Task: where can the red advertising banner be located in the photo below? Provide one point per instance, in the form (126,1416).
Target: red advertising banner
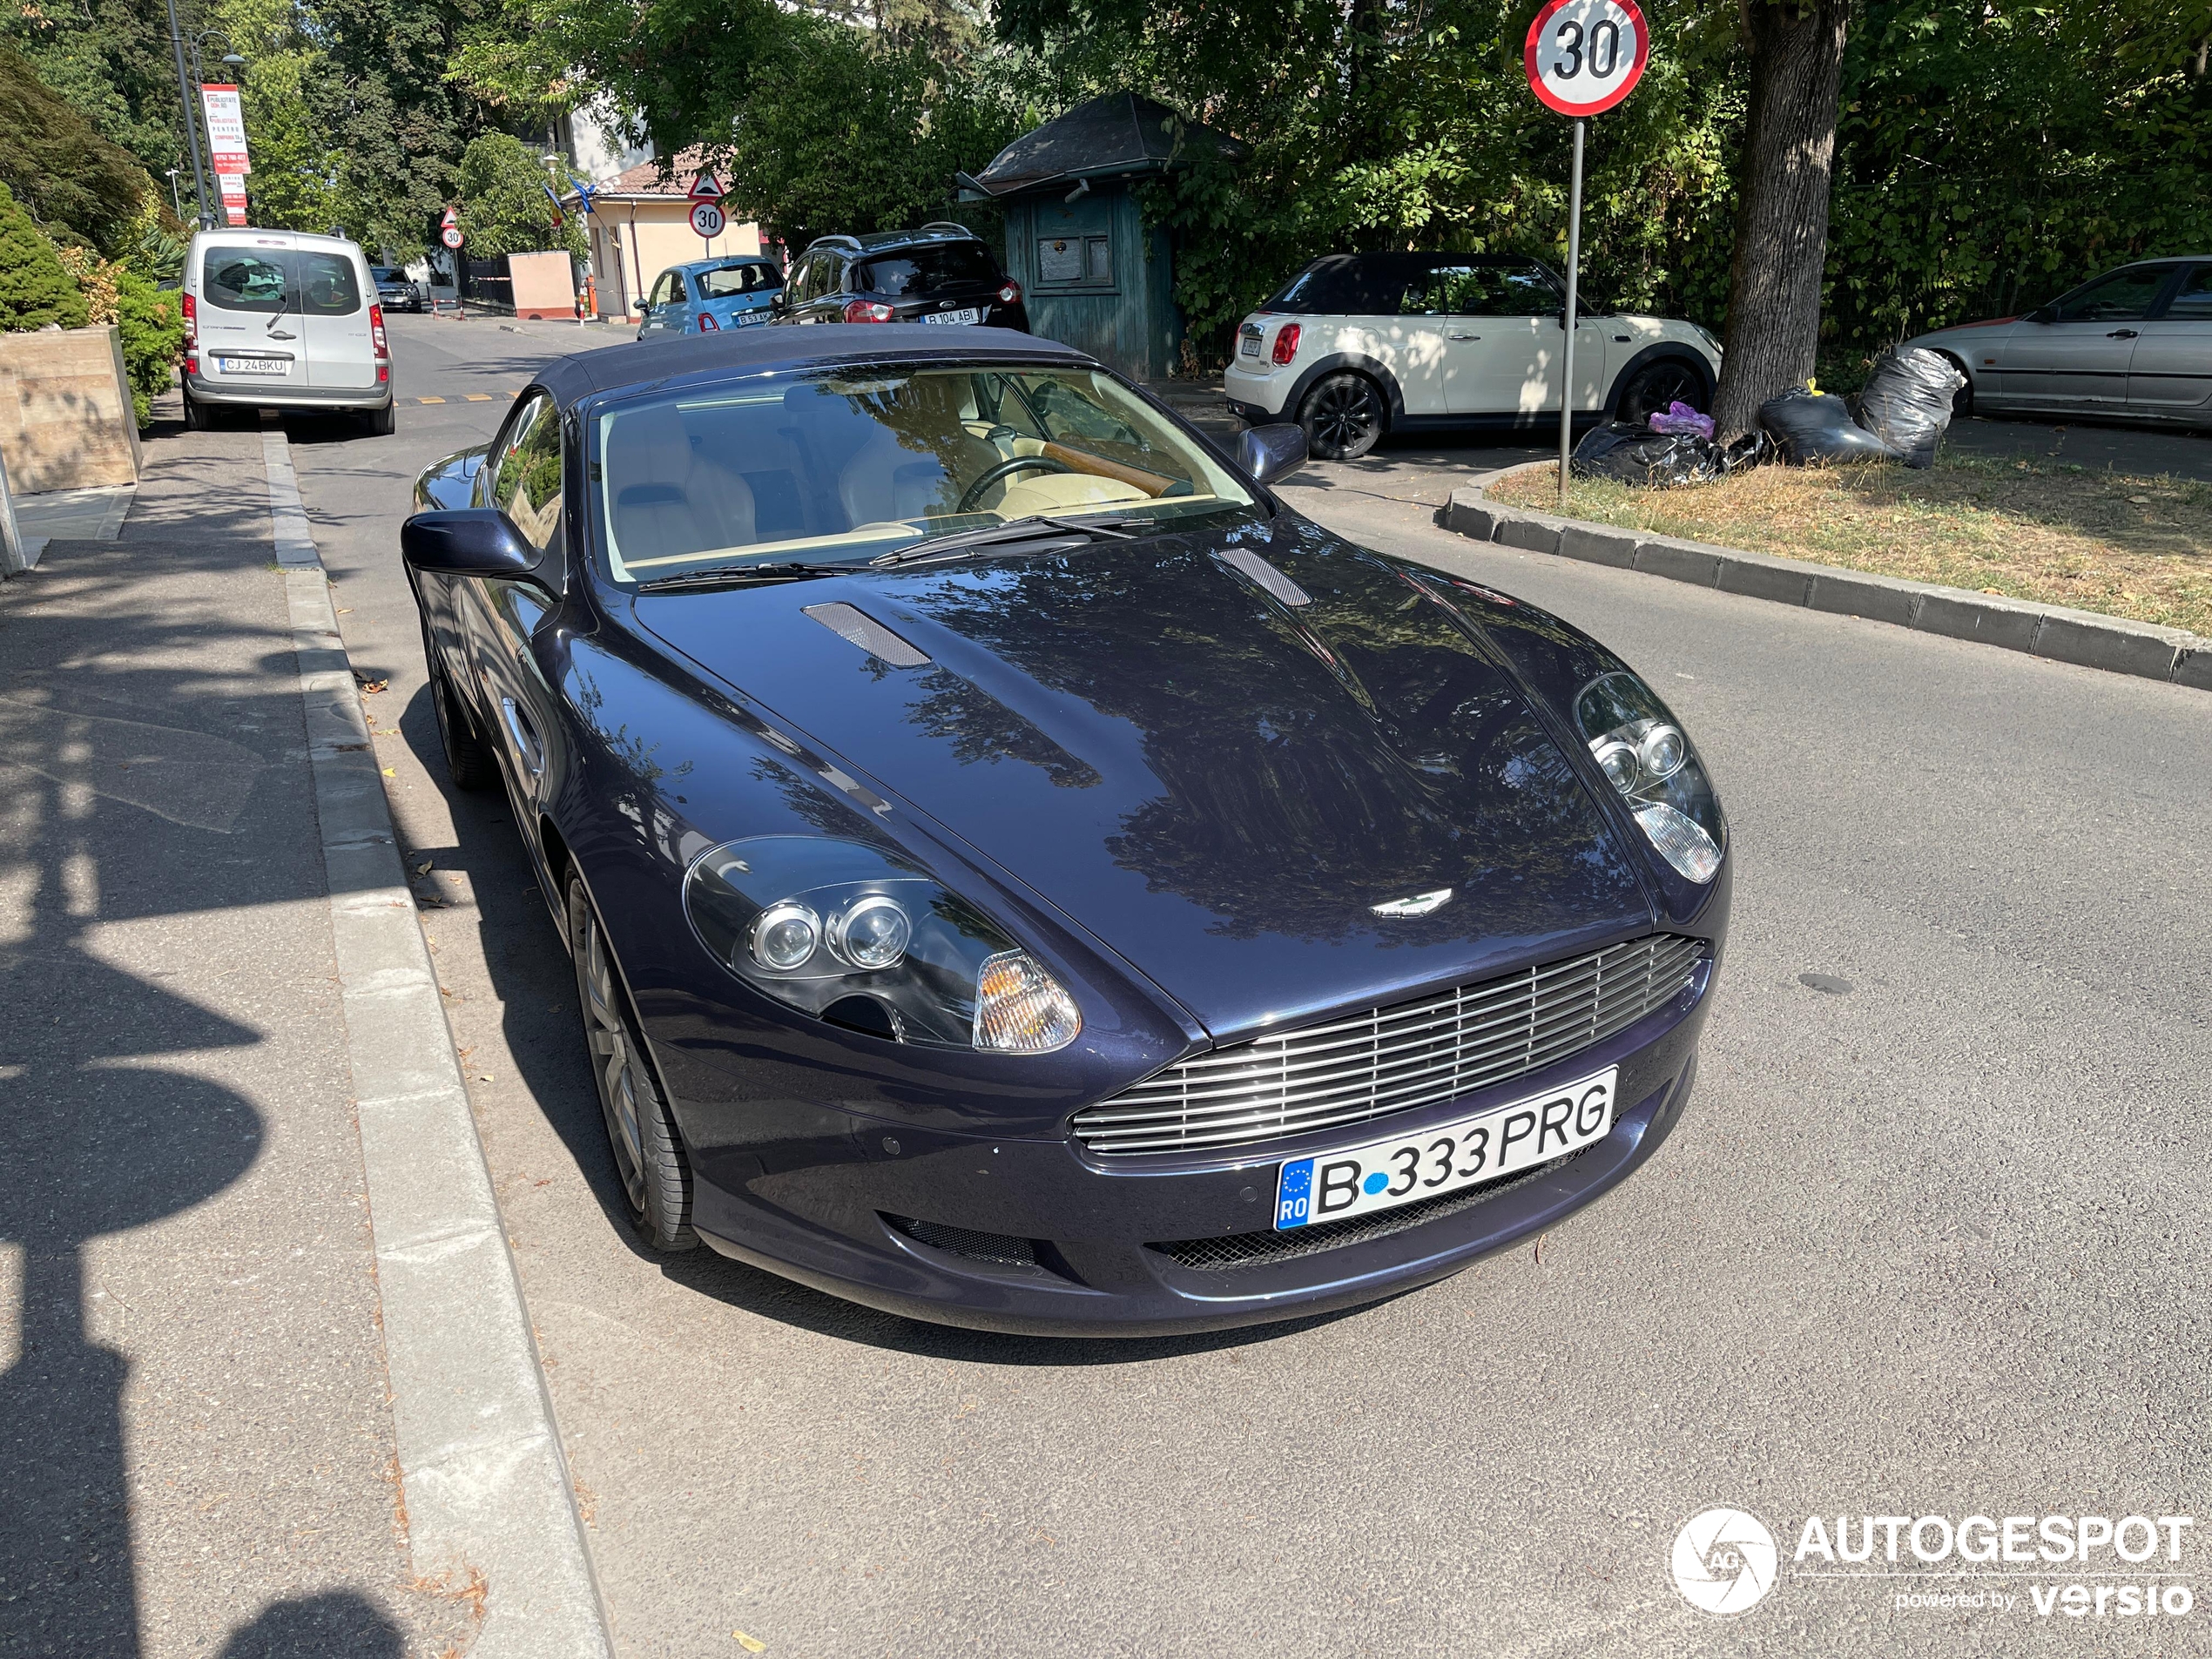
(233,197)
(226,129)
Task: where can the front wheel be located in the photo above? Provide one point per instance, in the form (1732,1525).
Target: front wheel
(648,1155)
(1343,416)
(469,763)
(1656,386)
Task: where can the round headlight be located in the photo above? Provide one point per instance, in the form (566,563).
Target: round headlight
(1663,751)
(871,931)
(1619,763)
(784,935)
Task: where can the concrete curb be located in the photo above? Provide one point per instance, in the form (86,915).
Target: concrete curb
(486,1487)
(2081,637)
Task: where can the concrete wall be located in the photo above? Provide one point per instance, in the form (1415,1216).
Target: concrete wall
(65,415)
(543,285)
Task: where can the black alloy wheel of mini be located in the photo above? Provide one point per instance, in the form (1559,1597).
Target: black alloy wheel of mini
(1654,387)
(648,1155)
(1343,417)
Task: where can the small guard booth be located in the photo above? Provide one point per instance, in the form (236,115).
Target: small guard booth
(1095,274)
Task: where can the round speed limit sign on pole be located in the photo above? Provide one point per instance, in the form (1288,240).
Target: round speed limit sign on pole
(1583,56)
(707,219)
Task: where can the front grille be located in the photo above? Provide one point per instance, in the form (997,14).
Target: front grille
(1392,1060)
(1256,1250)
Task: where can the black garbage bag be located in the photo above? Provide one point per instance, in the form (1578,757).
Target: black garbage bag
(1811,426)
(1906,402)
(1637,454)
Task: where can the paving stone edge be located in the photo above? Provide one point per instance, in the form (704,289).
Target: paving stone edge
(482,1473)
(2052,632)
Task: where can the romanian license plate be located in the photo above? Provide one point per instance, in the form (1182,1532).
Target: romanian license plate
(972,314)
(231,365)
(1500,1141)
(747,319)
(1249,344)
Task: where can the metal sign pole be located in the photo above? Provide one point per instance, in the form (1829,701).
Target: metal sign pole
(1568,318)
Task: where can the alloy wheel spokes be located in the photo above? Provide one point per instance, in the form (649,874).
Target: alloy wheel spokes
(611,1046)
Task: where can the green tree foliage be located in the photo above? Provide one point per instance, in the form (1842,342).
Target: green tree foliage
(34,290)
(1378,126)
(1993,153)
(58,167)
(817,123)
(504,206)
(110,62)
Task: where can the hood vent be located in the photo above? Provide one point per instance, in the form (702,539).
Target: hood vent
(1261,574)
(849,622)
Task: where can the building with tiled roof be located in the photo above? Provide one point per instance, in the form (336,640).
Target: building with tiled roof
(640,225)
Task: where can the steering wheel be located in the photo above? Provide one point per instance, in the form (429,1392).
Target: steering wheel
(1007,469)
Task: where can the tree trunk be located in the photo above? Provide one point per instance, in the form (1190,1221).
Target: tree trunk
(1782,221)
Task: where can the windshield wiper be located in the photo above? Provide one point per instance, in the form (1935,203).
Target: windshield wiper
(737,576)
(1027,527)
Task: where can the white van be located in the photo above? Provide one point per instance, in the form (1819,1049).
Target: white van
(283,319)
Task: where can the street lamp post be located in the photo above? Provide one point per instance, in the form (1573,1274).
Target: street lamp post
(191,123)
(175,200)
(231,61)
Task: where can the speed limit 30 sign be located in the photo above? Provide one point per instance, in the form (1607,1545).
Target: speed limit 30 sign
(707,219)
(1585,55)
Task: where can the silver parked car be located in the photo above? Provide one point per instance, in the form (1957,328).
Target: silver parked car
(2136,343)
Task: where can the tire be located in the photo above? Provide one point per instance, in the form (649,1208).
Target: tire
(198,416)
(1344,416)
(1962,401)
(469,763)
(1652,387)
(381,423)
(650,1161)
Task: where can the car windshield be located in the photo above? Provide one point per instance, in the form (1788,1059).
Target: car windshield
(847,466)
(917,271)
(386,273)
(725,281)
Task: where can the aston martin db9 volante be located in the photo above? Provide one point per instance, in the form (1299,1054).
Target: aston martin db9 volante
(1019,873)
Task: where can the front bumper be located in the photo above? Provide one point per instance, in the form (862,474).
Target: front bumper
(234,395)
(818,1194)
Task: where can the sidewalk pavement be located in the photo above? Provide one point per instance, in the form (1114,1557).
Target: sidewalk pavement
(196,1435)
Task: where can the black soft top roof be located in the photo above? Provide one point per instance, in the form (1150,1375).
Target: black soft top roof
(677,360)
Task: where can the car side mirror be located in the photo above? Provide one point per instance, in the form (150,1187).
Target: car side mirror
(2044,313)
(1271,452)
(778,302)
(469,541)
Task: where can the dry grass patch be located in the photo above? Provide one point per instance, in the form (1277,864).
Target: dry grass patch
(2127,546)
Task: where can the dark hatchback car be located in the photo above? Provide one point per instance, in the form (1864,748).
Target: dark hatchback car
(1019,873)
(940,275)
(395,290)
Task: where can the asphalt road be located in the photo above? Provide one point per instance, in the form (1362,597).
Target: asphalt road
(1929,1242)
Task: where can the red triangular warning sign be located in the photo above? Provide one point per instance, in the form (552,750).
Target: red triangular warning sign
(451,217)
(706,188)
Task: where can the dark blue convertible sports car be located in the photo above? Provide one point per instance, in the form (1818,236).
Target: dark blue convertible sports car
(1021,873)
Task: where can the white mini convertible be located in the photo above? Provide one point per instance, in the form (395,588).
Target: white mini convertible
(1357,345)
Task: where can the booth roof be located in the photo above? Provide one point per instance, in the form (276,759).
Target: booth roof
(1121,134)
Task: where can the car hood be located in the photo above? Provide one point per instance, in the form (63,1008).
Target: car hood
(1220,786)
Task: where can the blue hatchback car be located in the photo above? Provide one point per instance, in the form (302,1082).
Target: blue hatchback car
(1021,873)
(707,295)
